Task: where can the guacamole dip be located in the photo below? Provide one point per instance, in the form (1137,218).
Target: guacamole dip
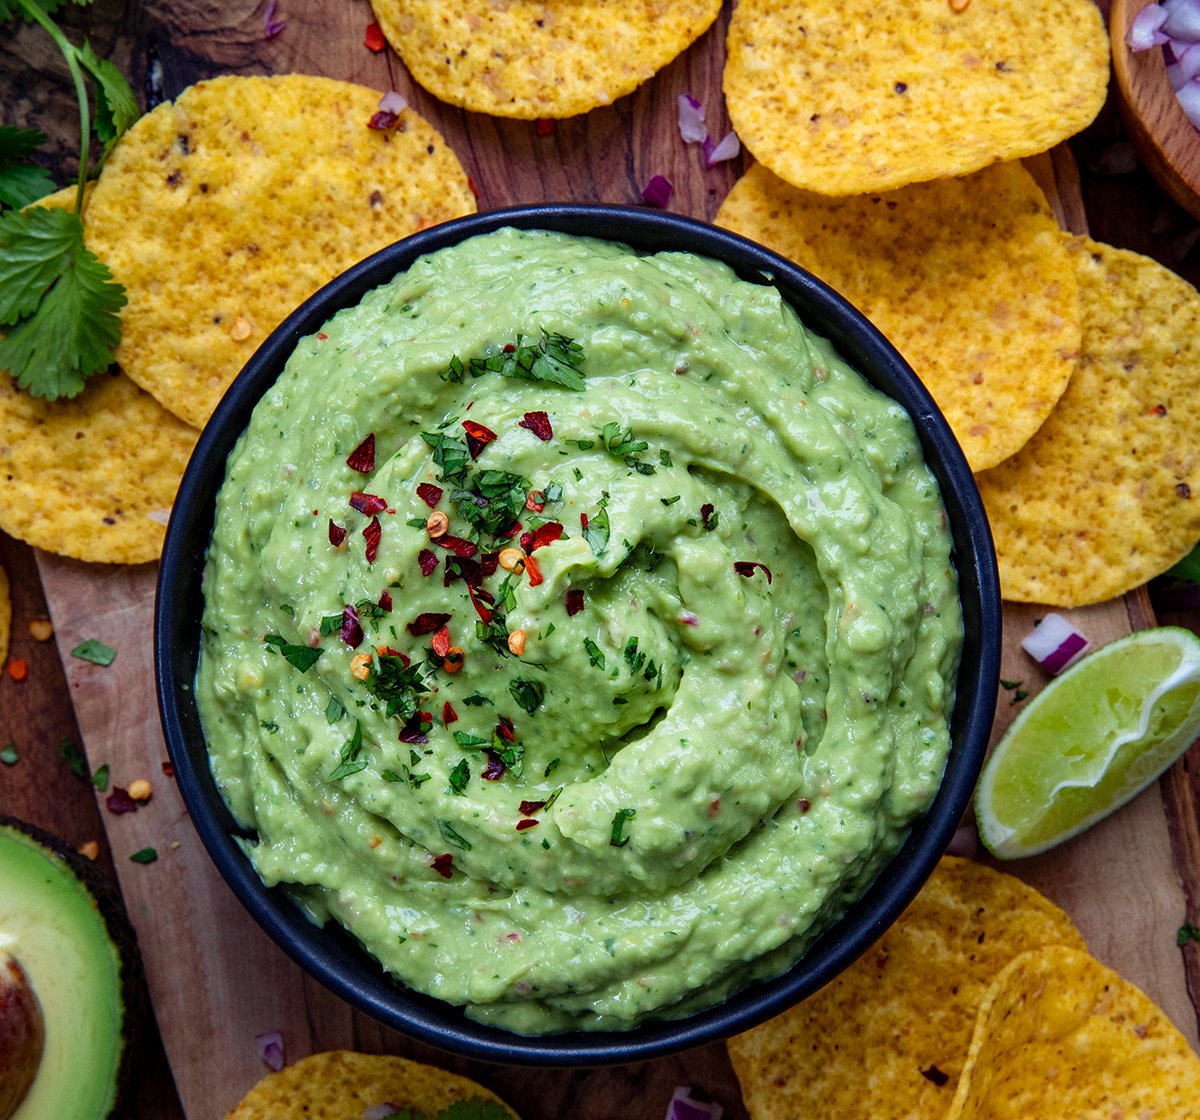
(580,631)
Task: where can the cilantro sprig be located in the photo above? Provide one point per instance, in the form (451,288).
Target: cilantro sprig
(555,360)
(58,301)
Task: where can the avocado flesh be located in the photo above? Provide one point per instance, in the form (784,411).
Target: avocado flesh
(50,922)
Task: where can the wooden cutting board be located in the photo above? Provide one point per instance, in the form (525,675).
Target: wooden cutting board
(215,979)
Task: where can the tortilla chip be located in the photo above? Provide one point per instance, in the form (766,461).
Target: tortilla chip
(887,1038)
(342,1085)
(92,477)
(849,96)
(1107,493)
(539,58)
(967,277)
(1061,1035)
(5,616)
(223,211)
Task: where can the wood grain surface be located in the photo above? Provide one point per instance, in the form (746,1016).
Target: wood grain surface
(215,979)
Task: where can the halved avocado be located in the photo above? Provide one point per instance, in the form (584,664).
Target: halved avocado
(65,928)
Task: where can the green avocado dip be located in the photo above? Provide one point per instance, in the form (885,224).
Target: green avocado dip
(622,777)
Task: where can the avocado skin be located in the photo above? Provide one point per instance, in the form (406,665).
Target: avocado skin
(134,996)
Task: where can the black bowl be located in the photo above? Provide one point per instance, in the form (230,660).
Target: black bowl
(334,957)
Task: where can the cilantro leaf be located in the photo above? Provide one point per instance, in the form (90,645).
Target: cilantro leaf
(1188,568)
(618,839)
(61,299)
(302,657)
(21,183)
(116,106)
(597,531)
(19,143)
(529,694)
(348,761)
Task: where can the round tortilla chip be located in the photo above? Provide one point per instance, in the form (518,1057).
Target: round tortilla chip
(1061,1035)
(848,96)
(92,477)
(887,1038)
(5,616)
(1106,495)
(342,1085)
(968,277)
(539,58)
(222,211)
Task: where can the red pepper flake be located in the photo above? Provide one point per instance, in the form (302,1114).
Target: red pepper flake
(544,535)
(528,808)
(387,651)
(574,601)
(534,571)
(504,728)
(443,864)
(706,511)
(374,40)
(367,503)
(494,770)
(475,192)
(583,521)
(714,806)
(746,568)
(511,531)
(427,560)
(385,601)
(362,458)
(536,501)
(449,715)
(426,623)
(168,769)
(478,437)
(539,424)
(441,641)
(429,494)
(804,805)
(546,126)
(417,728)
(18,668)
(1183,490)
(460,546)
(352,631)
(119,801)
(336,534)
(372,533)
(488,563)
(523,825)
(322,336)
(382,120)
(481,608)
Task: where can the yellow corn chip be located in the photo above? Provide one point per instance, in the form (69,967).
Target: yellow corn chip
(1061,1035)
(5,616)
(539,58)
(849,96)
(342,1085)
(92,477)
(967,277)
(224,210)
(1107,493)
(887,1038)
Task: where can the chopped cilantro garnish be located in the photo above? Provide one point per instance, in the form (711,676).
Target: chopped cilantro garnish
(553,492)
(100,778)
(466,739)
(595,653)
(8,754)
(145,855)
(669,501)
(459,777)
(302,657)
(551,766)
(597,532)
(618,839)
(1187,933)
(664,457)
(94,651)
(451,835)
(555,360)
(476,700)
(334,710)
(1010,685)
(397,684)
(73,757)
(330,624)
(451,456)
(370,611)
(492,502)
(349,762)
(529,694)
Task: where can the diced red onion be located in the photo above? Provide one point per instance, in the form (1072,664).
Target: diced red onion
(271,25)
(691,120)
(393,102)
(1054,643)
(270,1049)
(379,1112)
(728,148)
(1182,23)
(1146,29)
(683,1107)
(658,192)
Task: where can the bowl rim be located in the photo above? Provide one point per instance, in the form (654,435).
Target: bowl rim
(329,953)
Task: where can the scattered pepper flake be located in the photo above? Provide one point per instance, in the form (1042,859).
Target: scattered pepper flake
(528,808)
(453,661)
(362,458)
(429,494)
(449,715)
(372,534)
(373,40)
(337,535)
(535,502)
(441,641)
(367,503)
(545,534)
(574,601)
(168,769)
(360,666)
(546,126)
(516,642)
(351,631)
(18,668)
(460,546)
(427,622)
(119,801)
(41,629)
(534,571)
(746,568)
(478,437)
(539,424)
(427,561)
(443,865)
(529,822)
(382,120)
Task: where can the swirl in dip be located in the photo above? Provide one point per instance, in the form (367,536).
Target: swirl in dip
(652,760)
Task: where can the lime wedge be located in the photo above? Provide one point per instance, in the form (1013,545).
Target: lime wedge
(1090,741)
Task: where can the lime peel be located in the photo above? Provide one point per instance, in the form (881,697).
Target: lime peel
(1093,739)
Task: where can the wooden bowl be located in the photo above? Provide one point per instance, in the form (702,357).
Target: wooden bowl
(1164,138)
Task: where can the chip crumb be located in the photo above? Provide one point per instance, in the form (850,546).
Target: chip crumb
(240,331)
(90,849)
(41,629)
